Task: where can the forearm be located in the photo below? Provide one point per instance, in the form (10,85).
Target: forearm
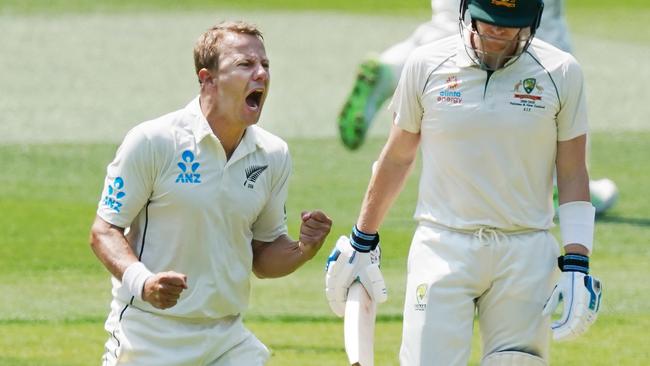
(393,167)
(573,185)
(111,247)
(571,168)
(383,190)
(576,211)
(278,258)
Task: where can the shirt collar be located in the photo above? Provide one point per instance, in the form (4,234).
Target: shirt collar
(201,128)
(249,143)
(199,125)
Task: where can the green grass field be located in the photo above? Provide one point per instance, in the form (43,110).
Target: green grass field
(76,75)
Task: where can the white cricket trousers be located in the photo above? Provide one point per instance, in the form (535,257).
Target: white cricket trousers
(139,338)
(504,277)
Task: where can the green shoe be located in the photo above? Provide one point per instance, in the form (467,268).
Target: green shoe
(371,89)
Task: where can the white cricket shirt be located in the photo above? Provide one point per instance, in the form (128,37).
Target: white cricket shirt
(190,210)
(489,146)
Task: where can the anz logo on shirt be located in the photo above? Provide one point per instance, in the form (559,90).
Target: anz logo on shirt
(115,194)
(188,168)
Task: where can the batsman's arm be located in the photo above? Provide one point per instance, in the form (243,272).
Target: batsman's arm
(573,186)
(394,164)
(284,255)
(580,291)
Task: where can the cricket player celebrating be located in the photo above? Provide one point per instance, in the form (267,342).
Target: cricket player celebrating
(193,203)
(378,77)
(495,112)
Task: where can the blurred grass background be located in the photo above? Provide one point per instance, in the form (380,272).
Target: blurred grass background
(76,75)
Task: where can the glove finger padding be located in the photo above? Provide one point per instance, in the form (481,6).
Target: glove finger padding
(581,296)
(373,281)
(339,275)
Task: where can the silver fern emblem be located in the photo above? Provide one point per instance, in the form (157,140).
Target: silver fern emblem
(252,173)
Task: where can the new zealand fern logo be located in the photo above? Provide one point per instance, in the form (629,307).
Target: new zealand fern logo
(188,168)
(252,173)
(114,195)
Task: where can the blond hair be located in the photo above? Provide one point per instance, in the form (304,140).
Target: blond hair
(207,48)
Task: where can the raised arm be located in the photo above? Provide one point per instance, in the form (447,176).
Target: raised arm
(284,255)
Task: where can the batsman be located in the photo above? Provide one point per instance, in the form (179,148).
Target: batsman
(494,112)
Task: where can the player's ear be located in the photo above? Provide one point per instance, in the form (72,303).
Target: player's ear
(205,77)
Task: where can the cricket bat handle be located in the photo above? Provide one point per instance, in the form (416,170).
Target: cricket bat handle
(359,326)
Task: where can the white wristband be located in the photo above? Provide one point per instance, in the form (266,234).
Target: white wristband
(134,277)
(577,223)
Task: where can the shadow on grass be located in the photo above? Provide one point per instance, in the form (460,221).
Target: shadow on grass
(635,221)
(313,319)
(308,348)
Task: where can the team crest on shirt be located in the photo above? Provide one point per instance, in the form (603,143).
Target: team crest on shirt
(528,94)
(189,169)
(421,297)
(252,173)
(114,195)
(450,93)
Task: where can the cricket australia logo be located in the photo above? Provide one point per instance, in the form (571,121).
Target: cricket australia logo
(189,169)
(252,173)
(530,96)
(420,297)
(450,93)
(114,195)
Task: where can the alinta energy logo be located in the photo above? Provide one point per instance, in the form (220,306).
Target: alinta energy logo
(450,93)
(115,194)
(252,173)
(189,169)
(420,297)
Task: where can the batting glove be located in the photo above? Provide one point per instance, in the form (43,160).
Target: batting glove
(354,259)
(339,275)
(581,295)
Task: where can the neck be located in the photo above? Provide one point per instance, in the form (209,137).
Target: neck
(229,138)
(229,134)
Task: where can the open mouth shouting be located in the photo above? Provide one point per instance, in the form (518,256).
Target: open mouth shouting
(255,98)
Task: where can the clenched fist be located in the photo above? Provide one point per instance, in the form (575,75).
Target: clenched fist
(313,231)
(163,289)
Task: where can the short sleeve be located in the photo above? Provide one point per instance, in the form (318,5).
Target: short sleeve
(406,104)
(129,180)
(272,220)
(572,118)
